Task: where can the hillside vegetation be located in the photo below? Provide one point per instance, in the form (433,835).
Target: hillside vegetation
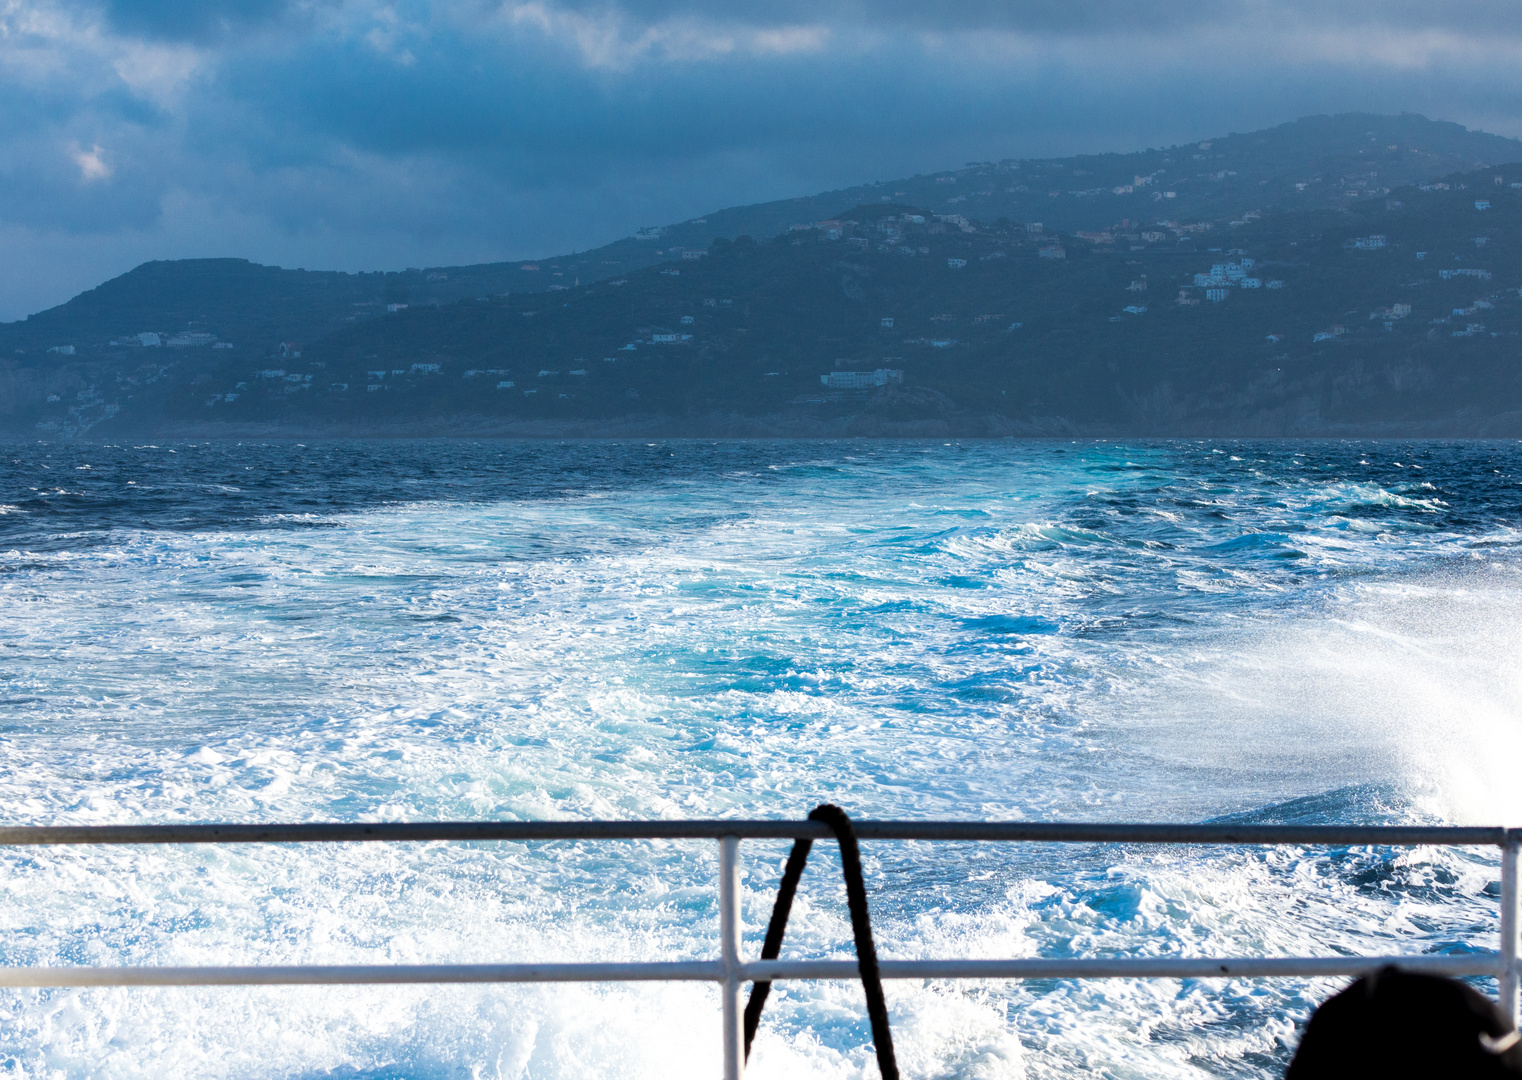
(1381,310)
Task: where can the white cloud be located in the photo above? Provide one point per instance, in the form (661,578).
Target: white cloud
(64,48)
(92,165)
(157,72)
(609,39)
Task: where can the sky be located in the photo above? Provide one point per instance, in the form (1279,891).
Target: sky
(358,134)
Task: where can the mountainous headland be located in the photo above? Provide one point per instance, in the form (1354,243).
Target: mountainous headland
(1339,275)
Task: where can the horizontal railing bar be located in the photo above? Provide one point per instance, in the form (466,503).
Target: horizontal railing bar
(1124,833)
(1170,967)
(362,974)
(1036,832)
(1161,967)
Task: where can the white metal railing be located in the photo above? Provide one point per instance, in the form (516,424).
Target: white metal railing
(730,970)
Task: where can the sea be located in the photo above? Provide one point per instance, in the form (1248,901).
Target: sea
(1185,631)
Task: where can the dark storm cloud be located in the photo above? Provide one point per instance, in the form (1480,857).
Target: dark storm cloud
(358,133)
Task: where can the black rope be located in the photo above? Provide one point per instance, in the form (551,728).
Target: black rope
(861,929)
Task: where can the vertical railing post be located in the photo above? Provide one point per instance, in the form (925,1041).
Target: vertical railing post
(1509,925)
(729,955)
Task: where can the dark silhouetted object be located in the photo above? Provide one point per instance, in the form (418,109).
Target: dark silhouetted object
(1394,1024)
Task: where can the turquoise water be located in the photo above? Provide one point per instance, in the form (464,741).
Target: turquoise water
(1181,631)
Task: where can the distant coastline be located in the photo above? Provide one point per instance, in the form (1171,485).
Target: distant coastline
(1372,297)
(733,426)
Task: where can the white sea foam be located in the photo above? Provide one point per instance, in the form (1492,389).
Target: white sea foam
(973,637)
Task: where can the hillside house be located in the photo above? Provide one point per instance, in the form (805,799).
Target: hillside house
(861,380)
(887,322)
(1053,251)
(956,264)
(1215,296)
